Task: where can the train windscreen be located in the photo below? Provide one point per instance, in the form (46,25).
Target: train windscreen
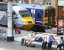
(24,13)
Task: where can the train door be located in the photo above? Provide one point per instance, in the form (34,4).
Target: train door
(51,16)
(38,21)
(38,17)
(45,18)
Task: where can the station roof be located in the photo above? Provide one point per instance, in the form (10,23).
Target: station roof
(34,6)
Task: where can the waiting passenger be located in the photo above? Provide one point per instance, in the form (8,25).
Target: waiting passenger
(61,44)
(51,39)
(22,41)
(44,44)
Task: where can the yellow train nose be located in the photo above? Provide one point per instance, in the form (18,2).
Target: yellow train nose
(29,23)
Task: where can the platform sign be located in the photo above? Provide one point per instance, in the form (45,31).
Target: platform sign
(61,2)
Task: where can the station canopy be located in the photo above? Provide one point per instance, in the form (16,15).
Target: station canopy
(31,6)
(17,8)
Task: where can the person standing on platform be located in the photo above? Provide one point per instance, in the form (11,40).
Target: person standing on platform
(51,39)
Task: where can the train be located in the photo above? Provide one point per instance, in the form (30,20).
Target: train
(34,17)
(23,18)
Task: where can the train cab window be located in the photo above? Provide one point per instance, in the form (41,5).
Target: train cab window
(24,13)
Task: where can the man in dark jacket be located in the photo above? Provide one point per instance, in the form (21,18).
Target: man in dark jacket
(61,45)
